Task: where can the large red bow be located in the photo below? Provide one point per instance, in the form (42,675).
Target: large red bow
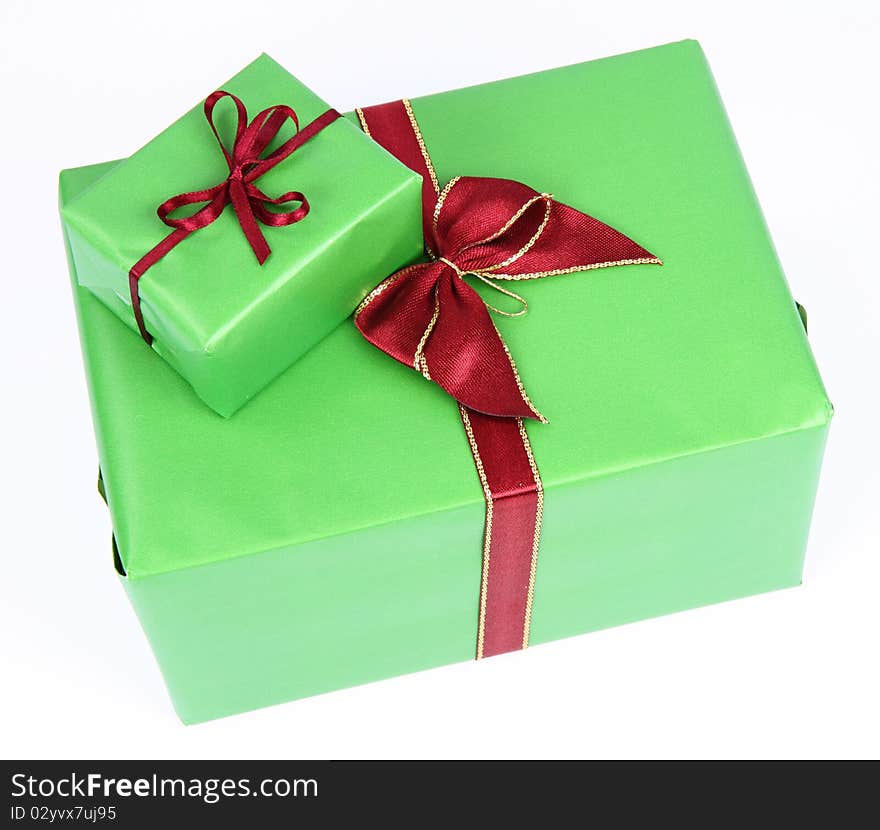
(427,316)
(249,202)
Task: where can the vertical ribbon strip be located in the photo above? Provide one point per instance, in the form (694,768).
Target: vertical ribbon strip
(429,317)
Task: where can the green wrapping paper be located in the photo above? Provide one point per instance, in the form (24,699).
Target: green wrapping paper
(225,323)
(330,534)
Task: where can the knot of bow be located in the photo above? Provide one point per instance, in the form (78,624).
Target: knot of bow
(246,165)
(429,317)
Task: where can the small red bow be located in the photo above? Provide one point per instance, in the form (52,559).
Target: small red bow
(248,201)
(428,317)
(245,167)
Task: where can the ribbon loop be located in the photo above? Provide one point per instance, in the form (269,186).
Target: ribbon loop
(482,275)
(210,102)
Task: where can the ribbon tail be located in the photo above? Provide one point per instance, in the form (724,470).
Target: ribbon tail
(243,210)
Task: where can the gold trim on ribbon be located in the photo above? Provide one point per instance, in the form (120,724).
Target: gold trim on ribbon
(536,539)
(386,283)
(363,119)
(419,362)
(487,533)
(574,269)
(441,198)
(421,142)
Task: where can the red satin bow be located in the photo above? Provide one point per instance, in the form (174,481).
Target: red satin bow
(245,167)
(249,202)
(428,317)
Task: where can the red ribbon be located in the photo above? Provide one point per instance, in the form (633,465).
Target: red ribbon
(429,317)
(248,201)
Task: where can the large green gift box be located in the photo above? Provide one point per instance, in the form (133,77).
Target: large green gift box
(331,533)
(225,323)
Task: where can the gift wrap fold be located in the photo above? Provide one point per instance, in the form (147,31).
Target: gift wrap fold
(226,323)
(331,533)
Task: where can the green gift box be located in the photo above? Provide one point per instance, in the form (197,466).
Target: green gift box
(224,322)
(331,533)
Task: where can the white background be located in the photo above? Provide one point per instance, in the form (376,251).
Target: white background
(789,674)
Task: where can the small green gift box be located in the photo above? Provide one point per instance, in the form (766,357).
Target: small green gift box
(332,532)
(226,323)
